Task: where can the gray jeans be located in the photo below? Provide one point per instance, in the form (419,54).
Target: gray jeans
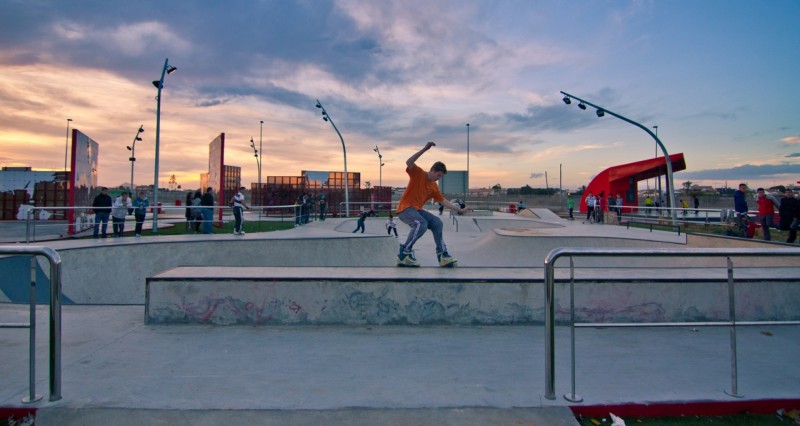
(420,221)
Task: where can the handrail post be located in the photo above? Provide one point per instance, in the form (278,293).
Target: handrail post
(55,326)
(32,396)
(572,397)
(732,315)
(28,226)
(549,325)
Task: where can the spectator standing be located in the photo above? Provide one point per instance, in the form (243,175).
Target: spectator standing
(696,205)
(740,208)
(238,209)
(297,211)
(102,209)
(790,214)
(570,206)
(599,206)
(766,211)
(197,211)
(323,203)
(207,203)
(118,213)
(305,206)
(189,213)
(140,205)
(648,204)
(590,200)
(618,205)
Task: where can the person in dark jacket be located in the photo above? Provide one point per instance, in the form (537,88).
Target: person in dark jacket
(207,202)
(102,209)
(363,217)
(740,207)
(790,214)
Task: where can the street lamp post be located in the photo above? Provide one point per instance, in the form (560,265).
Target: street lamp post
(66,149)
(327,117)
(659,175)
(380,165)
(132,149)
(260,153)
(466,189)
(168,69)
(602,111)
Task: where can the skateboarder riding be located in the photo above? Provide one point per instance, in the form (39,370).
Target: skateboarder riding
(421,188)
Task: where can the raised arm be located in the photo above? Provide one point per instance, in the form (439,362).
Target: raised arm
(413,159)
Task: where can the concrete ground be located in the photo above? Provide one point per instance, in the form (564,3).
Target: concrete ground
(116,370)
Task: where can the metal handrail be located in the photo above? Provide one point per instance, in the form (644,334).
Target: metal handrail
(55,316)
(31,221)
(549,280)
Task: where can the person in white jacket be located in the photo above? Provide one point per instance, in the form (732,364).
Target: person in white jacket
(122,205)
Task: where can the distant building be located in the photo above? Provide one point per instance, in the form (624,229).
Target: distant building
(22,185)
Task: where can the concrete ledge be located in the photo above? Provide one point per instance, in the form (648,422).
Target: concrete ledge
(463,296)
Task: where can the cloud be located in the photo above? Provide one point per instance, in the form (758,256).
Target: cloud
(744,172)
(792,155)
(536,175)
(791,140)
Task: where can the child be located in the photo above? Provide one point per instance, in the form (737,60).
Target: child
(391,225)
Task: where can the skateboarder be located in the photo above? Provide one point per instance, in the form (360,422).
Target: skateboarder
(421,188)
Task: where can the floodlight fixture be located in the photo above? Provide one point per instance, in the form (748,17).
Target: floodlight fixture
(582,106)
(567,100)
(132,149)
(600,113)
(171,69)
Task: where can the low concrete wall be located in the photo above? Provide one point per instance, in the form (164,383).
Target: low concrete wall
(116,273)
(478,296)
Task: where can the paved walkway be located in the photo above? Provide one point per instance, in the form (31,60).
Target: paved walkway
(116,370)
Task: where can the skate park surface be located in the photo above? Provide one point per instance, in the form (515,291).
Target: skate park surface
(117,367)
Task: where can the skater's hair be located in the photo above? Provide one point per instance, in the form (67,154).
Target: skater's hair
(439,167)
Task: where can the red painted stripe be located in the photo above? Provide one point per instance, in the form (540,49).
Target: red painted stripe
(703,408)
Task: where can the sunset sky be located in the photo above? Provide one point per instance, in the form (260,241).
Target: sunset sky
(720,79)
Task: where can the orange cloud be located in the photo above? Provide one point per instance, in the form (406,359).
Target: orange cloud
(791,140)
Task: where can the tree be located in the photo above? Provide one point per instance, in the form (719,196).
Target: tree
(526,190)
(368,184)
(497,189)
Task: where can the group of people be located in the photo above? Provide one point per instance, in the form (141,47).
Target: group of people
(788,209)
(103,207)
(303,207)
(595,206)
(199,212)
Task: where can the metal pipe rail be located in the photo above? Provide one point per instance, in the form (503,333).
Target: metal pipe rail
(549,308)
(55,317)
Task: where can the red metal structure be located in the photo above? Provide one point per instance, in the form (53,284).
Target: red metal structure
(624,179)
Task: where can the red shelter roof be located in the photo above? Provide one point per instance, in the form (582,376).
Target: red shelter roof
(623,179)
